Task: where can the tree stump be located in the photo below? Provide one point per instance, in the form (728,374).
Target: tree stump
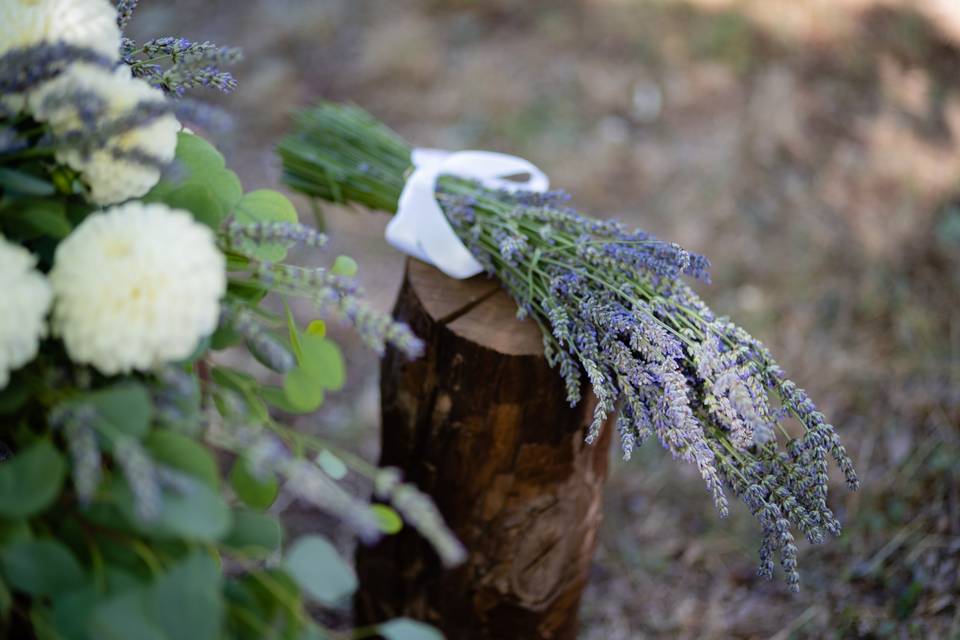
(481,424)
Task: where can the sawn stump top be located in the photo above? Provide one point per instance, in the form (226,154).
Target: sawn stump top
(477,309)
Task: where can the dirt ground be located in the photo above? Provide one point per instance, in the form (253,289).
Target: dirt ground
(810,148)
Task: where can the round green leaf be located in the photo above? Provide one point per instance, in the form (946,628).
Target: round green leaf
(332,465)
(199,514)
(275,397)
(408,629)
(185,454)
(388,520)
(31,480)
(124,408)
(71,612)
(316,566)
(201,164)
(344,266)
(199,200)
(303,390)
(265,205)
(187,601)
(317,328)
(255,492)
(125,617)
(41,567)
(254,533)
(323,362)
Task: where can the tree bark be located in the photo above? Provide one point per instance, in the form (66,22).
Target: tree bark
(481,424)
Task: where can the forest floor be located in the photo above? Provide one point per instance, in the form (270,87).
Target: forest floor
(810,148)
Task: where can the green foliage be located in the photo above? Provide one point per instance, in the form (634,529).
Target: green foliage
(205,186)
(184,453)
(118,515)
(255,492)
(318,569)
(41,567)
(388,519)
(124,409)
(265,205)
(31,481)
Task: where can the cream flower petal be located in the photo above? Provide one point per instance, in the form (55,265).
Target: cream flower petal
(136,286)
(85,23)
(111,179)
(23,307)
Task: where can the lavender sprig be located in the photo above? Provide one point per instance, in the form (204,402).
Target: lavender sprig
(177,65)
(612,305)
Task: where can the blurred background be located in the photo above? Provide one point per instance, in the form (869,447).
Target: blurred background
(810,148)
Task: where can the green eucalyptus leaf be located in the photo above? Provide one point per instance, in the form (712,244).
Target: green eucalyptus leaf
(184,454)
(388,520)
(224,337)
(123,409)
(200,514)
(277,597)
(23,183)
(265,205)
(201,164)
(30,218)
(258,493)
(302,390)
(200,201)
(253,533)
(125,617)
(71,612)
(316,566)
(275,397)
(187,601)
(41,567)
(323,362)
(317,328)
(31,480)
(344,266)
(408,629)
(332,465)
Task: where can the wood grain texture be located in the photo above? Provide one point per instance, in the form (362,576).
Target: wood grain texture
(481,424)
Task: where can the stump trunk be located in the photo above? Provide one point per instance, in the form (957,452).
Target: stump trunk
(481,424)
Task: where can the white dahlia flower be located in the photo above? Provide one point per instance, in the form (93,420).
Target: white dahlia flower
(24,303)
(136,286)
(111,179)
(84,23)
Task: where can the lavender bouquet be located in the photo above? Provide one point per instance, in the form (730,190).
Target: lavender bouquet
(612,304)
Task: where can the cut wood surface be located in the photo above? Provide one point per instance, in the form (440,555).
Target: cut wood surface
(482,425)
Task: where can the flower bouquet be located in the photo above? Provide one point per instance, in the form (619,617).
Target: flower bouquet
(612,305)
(130,256)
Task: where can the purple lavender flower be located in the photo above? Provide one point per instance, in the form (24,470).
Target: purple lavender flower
(613,306)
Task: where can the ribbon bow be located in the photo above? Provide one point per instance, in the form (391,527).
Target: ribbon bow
(419,227)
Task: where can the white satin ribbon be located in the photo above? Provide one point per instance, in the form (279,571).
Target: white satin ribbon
(419,227)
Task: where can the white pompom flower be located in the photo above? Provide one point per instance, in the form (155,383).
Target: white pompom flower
(24,303)
(91,24)
(112,178)
(85,23)
(136,286)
